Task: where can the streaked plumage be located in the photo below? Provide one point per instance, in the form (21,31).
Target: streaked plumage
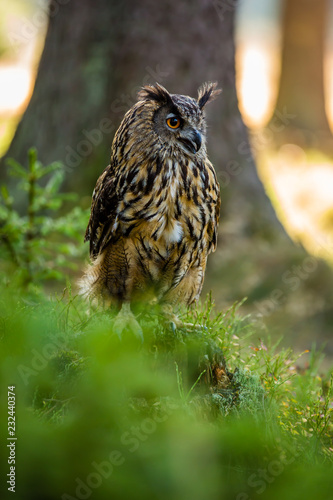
(155,208)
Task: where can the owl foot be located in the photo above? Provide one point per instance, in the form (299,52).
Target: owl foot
(125,320)
(175,322)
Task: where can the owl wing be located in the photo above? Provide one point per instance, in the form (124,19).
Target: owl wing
(214,208)
(216,218)
(102,223)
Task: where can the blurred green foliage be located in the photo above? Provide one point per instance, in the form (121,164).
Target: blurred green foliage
(204,412)
(208,411)
(41,245)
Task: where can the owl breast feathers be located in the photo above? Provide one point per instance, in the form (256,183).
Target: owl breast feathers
(155,208)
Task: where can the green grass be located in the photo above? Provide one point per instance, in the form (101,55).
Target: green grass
(208,412)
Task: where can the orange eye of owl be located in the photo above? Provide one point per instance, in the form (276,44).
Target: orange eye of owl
(173,122)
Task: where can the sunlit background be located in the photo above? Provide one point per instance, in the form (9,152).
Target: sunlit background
(300,184)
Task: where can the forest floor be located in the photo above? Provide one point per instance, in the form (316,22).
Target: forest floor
(208,411)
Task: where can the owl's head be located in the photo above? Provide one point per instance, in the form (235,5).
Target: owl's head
(178,120)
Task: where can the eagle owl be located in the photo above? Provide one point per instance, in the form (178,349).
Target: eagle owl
(155,208)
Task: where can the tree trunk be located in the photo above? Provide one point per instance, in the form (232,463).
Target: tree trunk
(99,53)
(301,90)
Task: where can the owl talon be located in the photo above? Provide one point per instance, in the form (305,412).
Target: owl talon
(192,326)
(125,320)
(173,327)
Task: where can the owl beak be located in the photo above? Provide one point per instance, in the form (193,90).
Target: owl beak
(197,140)
(192,141)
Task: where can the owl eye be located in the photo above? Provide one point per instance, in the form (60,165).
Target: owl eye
(173,122)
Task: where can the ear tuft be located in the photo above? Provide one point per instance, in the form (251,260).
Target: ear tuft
(207,92)
(156,93)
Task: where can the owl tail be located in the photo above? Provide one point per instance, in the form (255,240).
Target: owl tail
(92,283)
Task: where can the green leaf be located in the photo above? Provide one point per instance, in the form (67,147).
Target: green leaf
(4,213)
(43,171)
(5,192)
(54,182)
(16,170)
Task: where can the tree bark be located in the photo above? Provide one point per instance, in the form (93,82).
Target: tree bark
(99,53)
(301,90)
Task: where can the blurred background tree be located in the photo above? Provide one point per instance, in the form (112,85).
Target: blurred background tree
(301,90)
